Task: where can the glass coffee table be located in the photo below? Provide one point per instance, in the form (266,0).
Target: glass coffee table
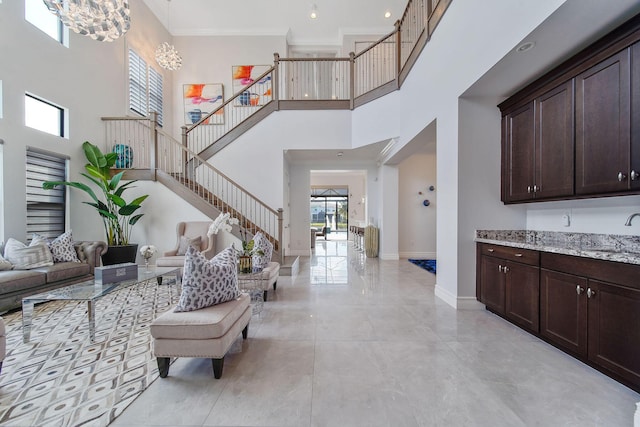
(91,292)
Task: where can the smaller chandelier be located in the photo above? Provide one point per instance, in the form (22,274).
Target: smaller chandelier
(102,20)
(167,57)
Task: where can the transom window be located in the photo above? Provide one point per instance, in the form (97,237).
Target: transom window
(37,13)
(44,115)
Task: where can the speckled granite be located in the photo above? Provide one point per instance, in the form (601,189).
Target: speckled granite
(611,247)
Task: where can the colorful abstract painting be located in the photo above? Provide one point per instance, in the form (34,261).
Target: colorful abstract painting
(200,99)
(245,75)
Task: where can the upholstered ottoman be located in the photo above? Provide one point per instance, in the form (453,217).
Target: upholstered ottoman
(208,333)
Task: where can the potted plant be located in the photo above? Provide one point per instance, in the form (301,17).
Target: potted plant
(117,214)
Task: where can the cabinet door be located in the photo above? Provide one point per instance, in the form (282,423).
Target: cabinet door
(518,146)
(555,143)
(603,126)
(492,291)
(634,174)
(614,329)
(563,310)
(523,295)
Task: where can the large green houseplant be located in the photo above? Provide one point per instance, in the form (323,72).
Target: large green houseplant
(117,214)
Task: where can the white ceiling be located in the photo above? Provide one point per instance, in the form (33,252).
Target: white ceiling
(279,17)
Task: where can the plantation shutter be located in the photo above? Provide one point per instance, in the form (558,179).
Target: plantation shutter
(45,208)
(137,83)
(155,93)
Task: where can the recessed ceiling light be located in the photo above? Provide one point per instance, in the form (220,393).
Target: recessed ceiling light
(314,12)
(524,47)
(387,14)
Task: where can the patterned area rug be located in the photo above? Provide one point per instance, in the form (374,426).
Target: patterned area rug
(427,264)
(61,378)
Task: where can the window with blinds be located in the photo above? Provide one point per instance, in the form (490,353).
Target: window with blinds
(45,208)
(145,87)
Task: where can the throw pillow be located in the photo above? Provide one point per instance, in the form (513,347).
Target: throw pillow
(260,242)
(185,242)
(25,257)
(4,264)
(61,247)
(208,282)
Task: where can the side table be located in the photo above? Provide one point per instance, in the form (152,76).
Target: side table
(251,283)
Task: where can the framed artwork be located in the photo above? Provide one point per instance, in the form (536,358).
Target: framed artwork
(200,99)
(244,75)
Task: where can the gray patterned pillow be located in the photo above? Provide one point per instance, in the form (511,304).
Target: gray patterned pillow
(25,257)
(61,247)
(185,242)
(261,243)
(208,282)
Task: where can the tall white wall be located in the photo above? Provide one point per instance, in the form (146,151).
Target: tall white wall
(89,78)
(417,235)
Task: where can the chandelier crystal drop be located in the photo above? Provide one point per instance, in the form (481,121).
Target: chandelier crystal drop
(167,57)
(102,20)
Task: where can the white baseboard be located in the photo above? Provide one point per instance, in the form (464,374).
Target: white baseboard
(300,252)
(418,255)
(389,257)
(459,303)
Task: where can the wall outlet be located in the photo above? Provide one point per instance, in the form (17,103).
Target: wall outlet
(566,220)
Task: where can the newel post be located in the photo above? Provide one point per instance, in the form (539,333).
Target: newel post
(398,52)
(281,243)
(276,80)
(352,76)
(153,153)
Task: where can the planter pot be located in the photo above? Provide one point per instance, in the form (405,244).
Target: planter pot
(244,264)
(120,254)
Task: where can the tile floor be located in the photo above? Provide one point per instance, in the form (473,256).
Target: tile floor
(364,342)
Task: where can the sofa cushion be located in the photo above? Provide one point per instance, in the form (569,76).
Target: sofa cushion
(261,243)
(4,264)
(186,242)
(65,270)
(207,323)
(17,280)
(62,248)
(24,257)
(208,282)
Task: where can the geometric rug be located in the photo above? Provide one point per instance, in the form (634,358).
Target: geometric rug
(62,378)
(427,264)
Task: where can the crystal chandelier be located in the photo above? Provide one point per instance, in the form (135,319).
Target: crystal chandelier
(167,57)
(102,20)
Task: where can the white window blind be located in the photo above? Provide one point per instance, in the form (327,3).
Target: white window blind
(145,87)
(155,93)
(137,83)
(45,208)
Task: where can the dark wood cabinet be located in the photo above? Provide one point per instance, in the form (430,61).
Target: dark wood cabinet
(603,114)
(509,287)
(575,132)
(589,308)
(563,310)
(539,147)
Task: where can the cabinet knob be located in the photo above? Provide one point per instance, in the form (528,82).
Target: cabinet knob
(500,268)
(490,250)
(621,176)
(518,255)
(634,175)
(536,188)
(590,293)
(579,289)
(505,269)
(528,189)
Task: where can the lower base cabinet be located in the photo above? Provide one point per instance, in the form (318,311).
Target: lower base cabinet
(587,307)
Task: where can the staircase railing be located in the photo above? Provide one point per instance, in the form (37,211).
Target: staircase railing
(171,162)
(321,83)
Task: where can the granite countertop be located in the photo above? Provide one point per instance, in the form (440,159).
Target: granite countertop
(610,247)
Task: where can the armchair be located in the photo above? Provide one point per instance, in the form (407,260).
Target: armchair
(189,233)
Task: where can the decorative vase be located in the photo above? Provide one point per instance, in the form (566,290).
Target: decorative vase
(244,264)
(125,156)
(146,265)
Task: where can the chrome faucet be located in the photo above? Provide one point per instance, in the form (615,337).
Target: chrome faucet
(628,223)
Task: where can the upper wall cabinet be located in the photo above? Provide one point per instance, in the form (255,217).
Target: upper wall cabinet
(575,132)
(603,114)
(538,148)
